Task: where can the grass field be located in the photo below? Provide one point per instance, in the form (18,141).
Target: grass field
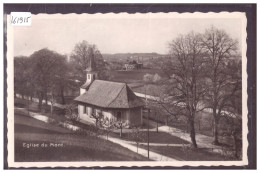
(58,113)
(181,153)
(154,137)
(134,75)
(79,147)
(39,141)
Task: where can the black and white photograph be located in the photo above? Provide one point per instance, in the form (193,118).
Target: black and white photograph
(121,89)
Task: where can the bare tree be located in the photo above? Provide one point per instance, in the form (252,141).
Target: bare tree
(52,100)
(231,109)
(108,126)
(219,48)
(234,125)
(71,113)
(153,89)
(187,87)
(137,136)
(120,125)
(99,118)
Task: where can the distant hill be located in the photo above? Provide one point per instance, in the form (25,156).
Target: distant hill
(125,56)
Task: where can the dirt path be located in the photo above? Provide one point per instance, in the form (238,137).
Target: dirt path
(203,141)
(129,145)
(141,151)
(158,144)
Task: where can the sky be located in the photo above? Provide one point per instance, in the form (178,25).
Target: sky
(143,33)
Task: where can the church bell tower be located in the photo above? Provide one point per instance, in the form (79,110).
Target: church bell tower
(91,75)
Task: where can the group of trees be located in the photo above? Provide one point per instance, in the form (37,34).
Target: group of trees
(47,75)
(41,75)
(204,72)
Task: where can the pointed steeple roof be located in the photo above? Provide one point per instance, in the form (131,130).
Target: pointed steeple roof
(91,66)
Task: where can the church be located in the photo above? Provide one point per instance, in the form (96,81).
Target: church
(114,100)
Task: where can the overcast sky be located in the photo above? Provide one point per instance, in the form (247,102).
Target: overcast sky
(142,34)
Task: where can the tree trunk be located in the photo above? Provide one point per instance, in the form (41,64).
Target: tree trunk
(121,131)
(214,110)
(212,127)
(187,126)
(216,141)
(157,130)
(192,133)
(51,109)
(137,147)
(46,101)
(62,96)
(40,102)
(235,144)
(28,107)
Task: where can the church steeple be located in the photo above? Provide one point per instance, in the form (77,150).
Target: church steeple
(91,66)
(91,71)
(91,75)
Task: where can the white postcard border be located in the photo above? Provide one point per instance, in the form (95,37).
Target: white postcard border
(10,97)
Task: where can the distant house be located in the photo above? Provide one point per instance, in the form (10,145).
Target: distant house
(139,65)
(114,100)
(133,66)
(129,67)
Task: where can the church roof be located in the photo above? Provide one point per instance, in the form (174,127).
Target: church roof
(85,85)
(109,94)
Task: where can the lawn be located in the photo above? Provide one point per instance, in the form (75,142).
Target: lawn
(39,141)
(154,137)
(134,75)
(83,147)
(186,154)
(58,114)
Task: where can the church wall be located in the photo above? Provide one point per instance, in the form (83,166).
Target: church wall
(132,117)
(80,112)
(135,116)
(89,110)
(85,116)
(127,117)
(82,91)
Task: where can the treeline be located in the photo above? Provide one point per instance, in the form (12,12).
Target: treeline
(204,72)
(47,75)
